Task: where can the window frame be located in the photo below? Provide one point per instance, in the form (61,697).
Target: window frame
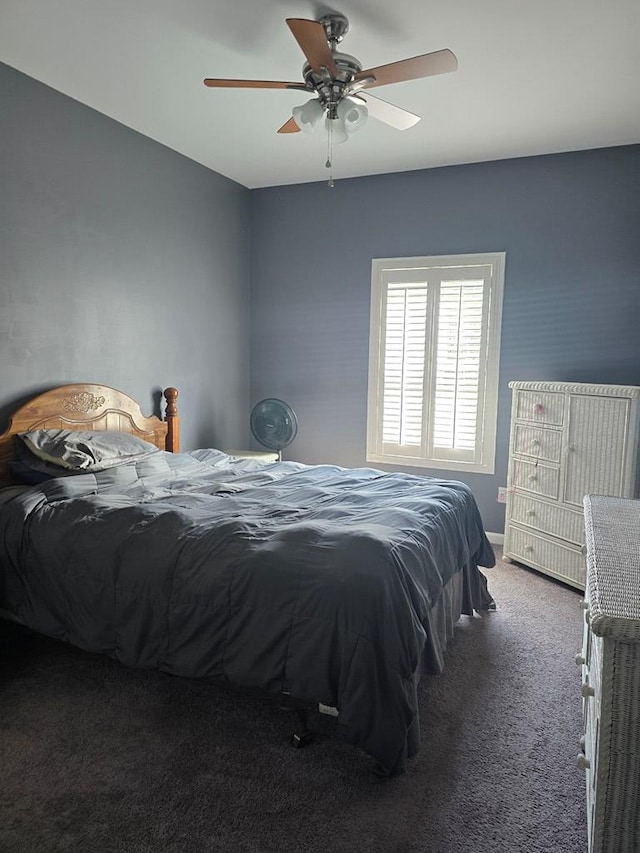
(426,269)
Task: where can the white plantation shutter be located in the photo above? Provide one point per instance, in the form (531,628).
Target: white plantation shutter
(404,365)
(434,350)
(458,366)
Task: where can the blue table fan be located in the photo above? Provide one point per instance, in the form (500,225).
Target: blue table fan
(274,424)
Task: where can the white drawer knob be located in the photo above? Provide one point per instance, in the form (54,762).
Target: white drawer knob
(587,690)
(580,660)
(583,762)
(531,512)
(528,549)
(535,442)
(532,478)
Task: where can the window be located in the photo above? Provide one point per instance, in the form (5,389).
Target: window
(433,361)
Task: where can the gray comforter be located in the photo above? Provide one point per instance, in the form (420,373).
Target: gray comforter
(315,581)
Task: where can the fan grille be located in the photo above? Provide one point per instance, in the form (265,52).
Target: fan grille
(273,423)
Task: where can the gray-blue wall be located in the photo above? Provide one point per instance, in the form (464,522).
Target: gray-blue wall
(121,262)
(569,224)
(124,263)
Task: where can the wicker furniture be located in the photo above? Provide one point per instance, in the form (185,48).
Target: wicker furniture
(568,439)
(610,661)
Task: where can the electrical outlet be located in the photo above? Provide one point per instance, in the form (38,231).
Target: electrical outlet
(502,494)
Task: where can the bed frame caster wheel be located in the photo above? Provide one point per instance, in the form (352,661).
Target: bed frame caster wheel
(302,739)
(304,735)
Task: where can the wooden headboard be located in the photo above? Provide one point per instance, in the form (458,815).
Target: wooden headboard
(90,407)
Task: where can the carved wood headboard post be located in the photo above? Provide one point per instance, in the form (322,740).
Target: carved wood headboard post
(173,420)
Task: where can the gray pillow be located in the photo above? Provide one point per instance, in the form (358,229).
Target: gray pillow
(78,450)
(31,470)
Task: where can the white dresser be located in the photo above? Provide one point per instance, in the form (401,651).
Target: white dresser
(568,439)
(610,661)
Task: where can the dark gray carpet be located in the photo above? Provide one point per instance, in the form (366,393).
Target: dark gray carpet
(94,757)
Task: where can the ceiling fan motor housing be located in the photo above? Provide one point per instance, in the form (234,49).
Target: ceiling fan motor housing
(336,26)
(331,90)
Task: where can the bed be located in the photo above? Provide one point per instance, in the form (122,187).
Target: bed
(336,587)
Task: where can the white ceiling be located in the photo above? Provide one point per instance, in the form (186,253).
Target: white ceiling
(533,77)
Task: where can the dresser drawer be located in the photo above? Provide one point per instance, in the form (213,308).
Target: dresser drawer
(594,660)
(562,561)
(535,477)
(547,518)
(592,738)
(537,442)
(591,678)
(590,741)
(586,634)
(588,674)
(546,407)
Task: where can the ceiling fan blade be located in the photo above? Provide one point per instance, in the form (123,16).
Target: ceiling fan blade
(438,62)
(289,127)
(312,38)
(215,82)
(388,113)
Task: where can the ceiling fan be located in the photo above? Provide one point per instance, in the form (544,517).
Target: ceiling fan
(339,83)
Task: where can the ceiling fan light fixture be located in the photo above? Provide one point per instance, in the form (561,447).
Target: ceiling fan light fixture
(336,130)
(352,115)
(307,116)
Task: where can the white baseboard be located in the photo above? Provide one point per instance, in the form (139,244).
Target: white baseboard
(496,538)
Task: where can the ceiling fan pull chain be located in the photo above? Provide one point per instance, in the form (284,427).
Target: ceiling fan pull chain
(329,164)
